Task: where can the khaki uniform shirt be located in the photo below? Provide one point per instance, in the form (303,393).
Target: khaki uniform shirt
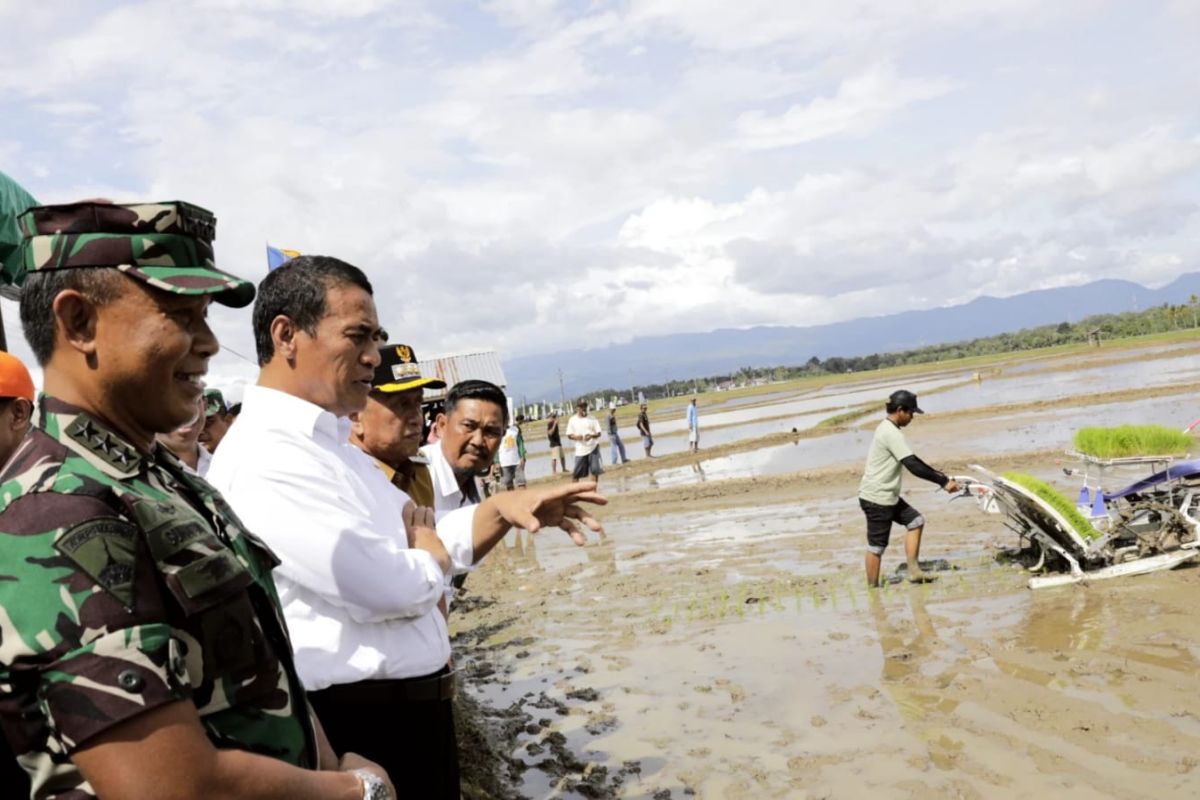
(414,479)
(126,583)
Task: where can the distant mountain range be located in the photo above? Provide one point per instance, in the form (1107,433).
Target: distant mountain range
(652,359)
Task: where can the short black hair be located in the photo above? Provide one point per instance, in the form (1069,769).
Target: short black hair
(98,285)
(297,290)
(477,390)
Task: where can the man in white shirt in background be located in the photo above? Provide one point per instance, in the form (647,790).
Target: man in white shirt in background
(184,442)
(584,431)
(362,567)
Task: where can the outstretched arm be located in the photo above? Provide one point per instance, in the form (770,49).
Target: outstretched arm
(534,509)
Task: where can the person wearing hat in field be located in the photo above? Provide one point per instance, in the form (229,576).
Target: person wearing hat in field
(217,420)
(879,491)
(643,426)
(554,441)
(125,572)
(16,404)
(584,431)
(389,429)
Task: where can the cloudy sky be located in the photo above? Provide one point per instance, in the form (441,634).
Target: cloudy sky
(536,175)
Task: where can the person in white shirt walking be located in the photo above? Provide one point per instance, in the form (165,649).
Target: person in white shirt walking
(693,424)
(584,431)
(362,567)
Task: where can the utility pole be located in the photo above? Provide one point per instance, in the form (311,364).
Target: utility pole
(562,392)
(632,394)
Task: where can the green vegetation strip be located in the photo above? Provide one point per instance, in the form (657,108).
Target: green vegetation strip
(1131,440)
(1056,501)
(849,416)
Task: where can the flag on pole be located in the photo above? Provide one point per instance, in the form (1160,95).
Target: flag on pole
(278,256)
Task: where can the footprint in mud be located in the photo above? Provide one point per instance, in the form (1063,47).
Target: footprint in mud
(736,693)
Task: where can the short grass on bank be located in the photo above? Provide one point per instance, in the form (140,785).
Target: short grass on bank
(1131,440)
(1055,500)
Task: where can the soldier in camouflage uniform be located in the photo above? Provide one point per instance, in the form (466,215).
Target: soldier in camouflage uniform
(142,649)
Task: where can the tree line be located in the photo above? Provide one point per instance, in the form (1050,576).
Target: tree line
(1156,319)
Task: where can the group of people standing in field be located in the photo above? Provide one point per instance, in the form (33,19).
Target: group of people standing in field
(584,430)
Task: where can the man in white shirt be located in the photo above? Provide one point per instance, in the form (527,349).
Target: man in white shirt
(362,567)
(469,431)
(584,431)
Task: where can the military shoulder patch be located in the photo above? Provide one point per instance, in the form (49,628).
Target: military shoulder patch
(106,549)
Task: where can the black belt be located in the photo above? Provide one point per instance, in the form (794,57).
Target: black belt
(426,689)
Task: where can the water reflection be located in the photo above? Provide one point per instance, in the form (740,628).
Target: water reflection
(908,646)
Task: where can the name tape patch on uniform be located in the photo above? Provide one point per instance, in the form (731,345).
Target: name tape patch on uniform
(105,549)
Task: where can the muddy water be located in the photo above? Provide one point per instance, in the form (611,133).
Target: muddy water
(977,440)
(735,654)
(1054,378)
(1024,388)
(719,642)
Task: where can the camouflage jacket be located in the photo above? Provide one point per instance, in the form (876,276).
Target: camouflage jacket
(126,583)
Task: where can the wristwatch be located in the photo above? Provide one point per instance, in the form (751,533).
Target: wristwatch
(373,786)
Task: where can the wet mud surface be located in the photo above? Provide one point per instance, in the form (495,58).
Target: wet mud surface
(720,643)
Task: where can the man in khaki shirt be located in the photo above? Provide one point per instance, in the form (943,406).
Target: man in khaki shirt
(879,491)
(390,428)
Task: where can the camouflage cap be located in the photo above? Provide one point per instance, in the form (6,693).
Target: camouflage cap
(214,402)
(166,245)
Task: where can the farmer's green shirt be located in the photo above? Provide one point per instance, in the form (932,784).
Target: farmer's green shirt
(127,582)
(881,479)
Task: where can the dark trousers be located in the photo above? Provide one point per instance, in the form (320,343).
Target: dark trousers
(399,726)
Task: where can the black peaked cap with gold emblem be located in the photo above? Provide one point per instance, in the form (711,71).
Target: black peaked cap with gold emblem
(398,371)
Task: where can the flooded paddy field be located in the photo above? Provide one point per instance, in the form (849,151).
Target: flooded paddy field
(1162,370)
(719,642)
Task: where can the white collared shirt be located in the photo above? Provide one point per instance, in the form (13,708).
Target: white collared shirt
(360,604)
(447,495)
(584,426)
(203,460)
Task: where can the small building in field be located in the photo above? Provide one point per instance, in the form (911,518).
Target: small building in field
(479,365)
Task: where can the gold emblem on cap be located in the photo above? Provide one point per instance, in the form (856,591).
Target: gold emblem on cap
(404,352)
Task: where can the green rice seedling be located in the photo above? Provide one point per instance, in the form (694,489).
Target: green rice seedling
(1056,501)
(1131,440)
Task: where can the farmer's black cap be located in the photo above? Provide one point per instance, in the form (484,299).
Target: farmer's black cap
(902,398)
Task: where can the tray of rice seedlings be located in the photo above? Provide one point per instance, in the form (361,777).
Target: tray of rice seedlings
(1131,441)
(1053,498)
